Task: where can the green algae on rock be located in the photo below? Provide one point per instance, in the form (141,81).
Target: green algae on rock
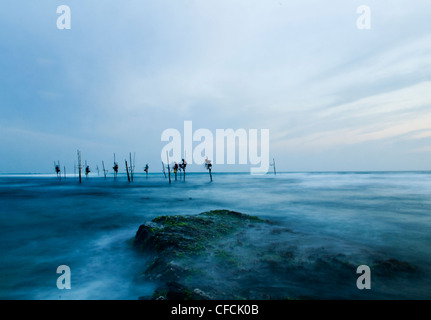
(227,255)
(183,245)
(191,234)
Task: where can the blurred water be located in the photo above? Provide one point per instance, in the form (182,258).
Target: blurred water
(45,223)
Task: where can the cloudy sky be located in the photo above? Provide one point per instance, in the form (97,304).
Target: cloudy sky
(333,96)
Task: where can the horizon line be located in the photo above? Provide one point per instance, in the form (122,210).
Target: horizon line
(226,172)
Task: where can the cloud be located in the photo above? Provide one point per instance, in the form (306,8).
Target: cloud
(383,116)
(395,102)
(421,150)
(422,135)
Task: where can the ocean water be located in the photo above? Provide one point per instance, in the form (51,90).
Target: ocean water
(45,223)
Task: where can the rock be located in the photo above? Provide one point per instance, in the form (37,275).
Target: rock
(182,246)
(390,267)
(176,291)
(189,234)
(227,255)
(202,294)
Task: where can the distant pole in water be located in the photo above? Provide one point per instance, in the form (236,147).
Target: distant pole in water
(132,165)
(64,172)
(97,168)
(127,170)
(79,165)
(104,171)
(163,166)
(134,158)
(273,164)
(169,170)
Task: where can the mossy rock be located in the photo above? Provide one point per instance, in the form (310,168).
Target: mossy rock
(176,242)
(227,255)
(391,267)
(190,234)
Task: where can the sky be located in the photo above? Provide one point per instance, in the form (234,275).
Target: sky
(333,97)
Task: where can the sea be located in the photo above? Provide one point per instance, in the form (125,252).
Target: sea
(46,222)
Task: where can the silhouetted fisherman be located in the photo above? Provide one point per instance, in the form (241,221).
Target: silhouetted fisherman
(183,165)
(87,170)
(115,167)
(57,169)
(208,165)
(175,170)
(146,169)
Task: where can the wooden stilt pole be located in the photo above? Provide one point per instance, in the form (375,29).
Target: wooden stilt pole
(131,171)
(273,161)
(163,166)
(104,171)
(169,170)
(79,165)
(127,170)
(208,165)
(184,166)
(131,167)
(64,172)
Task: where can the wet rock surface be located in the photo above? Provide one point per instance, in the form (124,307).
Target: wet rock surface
(224,254)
